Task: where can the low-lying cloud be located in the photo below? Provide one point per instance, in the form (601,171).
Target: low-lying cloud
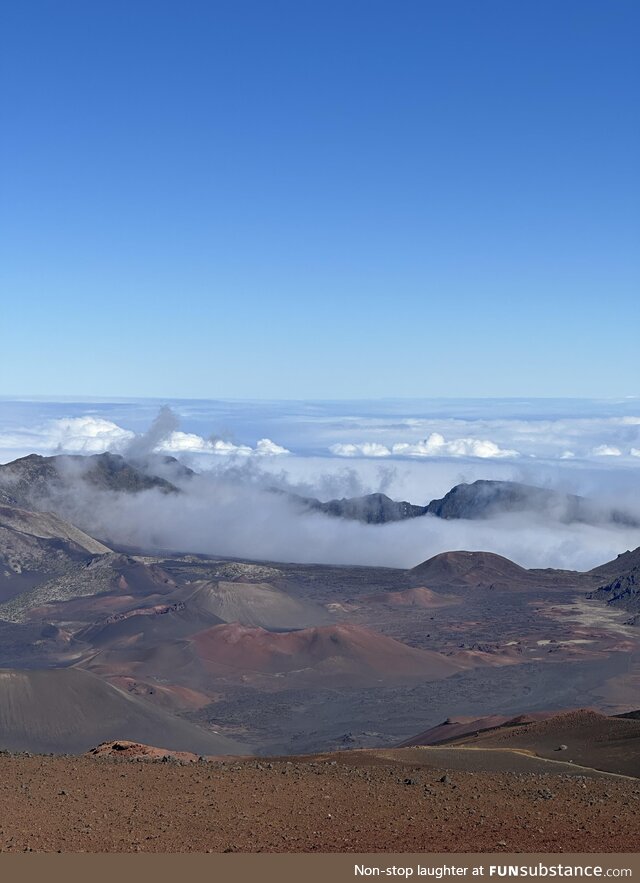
(230,507)
(435,445)
(237,516)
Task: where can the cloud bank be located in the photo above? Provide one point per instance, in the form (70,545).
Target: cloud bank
(433,446)
(96,435)
(229,508)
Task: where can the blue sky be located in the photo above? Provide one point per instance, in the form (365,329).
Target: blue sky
(319,199)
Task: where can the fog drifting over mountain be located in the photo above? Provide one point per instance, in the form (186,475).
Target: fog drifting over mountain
(241,452)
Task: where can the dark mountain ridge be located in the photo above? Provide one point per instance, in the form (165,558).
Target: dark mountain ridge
(370,508)
(488,498)
(31,481)
(621,583)
(478,500)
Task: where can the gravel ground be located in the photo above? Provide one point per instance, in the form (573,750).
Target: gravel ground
(368,804)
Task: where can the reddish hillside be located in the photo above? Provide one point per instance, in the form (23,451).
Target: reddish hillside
(461,727)
(420,596)
(351,651)
(582,737)
(469,569)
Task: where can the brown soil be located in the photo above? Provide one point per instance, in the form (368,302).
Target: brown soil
(126,750)
(582,736)
(469,727)
(351,651)
(419,596)
(363,802)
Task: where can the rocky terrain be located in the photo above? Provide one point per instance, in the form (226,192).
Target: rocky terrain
(280,658)
(581,736)
(305,707)
(34,481)
(621,588)
(371,508)
(412,800)
(486,499)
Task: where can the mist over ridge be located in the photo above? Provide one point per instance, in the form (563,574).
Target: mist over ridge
(241,497)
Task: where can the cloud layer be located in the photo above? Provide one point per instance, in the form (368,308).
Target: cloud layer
(96,435)
(433,446)
(346,449)
(499,430)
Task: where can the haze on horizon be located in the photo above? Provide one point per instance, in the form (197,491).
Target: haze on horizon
(319,200)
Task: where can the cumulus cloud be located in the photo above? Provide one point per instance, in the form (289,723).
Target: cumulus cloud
(71,435)
(91,434)
(87,435)
(190,443)
(606,451)
(165,437)
(366,449)
(435,445)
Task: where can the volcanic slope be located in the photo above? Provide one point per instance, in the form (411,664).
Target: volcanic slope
(330,656)
(34,546)
(33,481)
(338,655)
(419,596)
(620,583)
(370,509)
(109,572)
(623,563)
(455,729)
(583,737)
(254,604)
(489,499)
(471,569)
(68,710)
(193,608)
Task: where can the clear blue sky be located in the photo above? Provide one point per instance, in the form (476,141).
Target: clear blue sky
(320,198)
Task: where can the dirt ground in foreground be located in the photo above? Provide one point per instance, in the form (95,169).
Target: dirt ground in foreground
(62,804)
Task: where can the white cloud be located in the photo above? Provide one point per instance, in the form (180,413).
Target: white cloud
(90,434)
(268,448)
(606,451)
(228,510)
(69,435)
(434,446)
(367,449)
(87,435)
(189,443)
